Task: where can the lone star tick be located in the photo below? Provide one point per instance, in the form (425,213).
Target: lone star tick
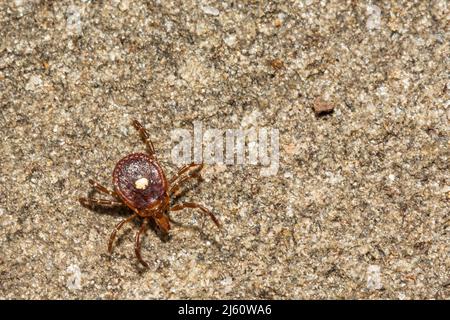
(141,185)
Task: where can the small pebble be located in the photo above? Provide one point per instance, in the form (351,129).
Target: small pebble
(210,10)
(321,106)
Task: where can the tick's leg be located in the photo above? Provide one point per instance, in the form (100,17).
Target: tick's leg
(100,202)
(116,228)
(137,243)
(185,168)
(174,188)
(145,138)
(102,189)
(194,205)
(179,179)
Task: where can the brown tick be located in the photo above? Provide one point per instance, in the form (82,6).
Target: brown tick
(141,185)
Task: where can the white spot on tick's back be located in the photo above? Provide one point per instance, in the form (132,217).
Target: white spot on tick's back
(141,183)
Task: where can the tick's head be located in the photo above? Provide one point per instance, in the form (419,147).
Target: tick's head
(139,180)
(163,224)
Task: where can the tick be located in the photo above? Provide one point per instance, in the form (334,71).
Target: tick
(141,185)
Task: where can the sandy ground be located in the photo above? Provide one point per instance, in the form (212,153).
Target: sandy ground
(359,207)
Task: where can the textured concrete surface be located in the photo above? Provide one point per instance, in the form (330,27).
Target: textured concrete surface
(359,207)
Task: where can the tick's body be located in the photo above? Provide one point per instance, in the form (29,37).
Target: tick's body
(140,184)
